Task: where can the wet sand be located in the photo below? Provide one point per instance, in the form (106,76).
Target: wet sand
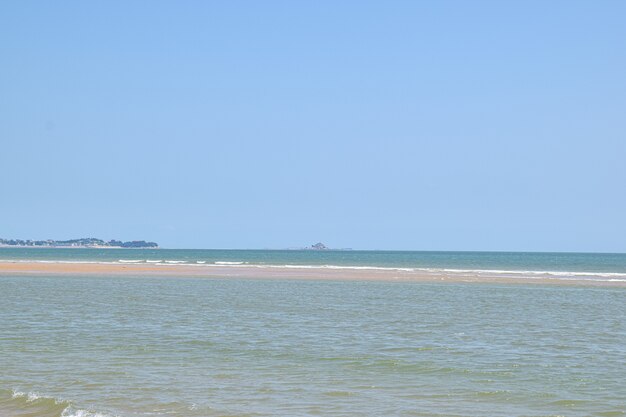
(282,272)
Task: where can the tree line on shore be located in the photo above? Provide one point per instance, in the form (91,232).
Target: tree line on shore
(84,242)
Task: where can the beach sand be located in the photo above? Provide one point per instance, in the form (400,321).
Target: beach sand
(291,272)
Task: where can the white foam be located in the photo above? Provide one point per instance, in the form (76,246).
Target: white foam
(17,394)
(530,274)
(599,276)
(524,272)
(70,412)
(30,396)
(34,396)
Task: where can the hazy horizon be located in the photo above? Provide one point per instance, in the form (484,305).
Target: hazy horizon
(306,247)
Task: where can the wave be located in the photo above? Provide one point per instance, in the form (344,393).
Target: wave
(506,273)
(565,275)
(491,272)
(14,402)
(527,272)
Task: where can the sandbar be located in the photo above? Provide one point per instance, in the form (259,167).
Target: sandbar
(11,268)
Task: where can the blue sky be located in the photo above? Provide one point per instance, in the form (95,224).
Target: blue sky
(442,125)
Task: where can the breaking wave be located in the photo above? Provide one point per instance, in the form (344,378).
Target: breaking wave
(17,404)
(495,273)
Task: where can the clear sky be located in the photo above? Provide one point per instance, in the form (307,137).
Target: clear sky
(443,125)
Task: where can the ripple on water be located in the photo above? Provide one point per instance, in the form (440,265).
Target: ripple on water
(138,347)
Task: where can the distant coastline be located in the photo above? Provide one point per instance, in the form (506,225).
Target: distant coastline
(89,242)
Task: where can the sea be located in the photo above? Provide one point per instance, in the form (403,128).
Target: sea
(104,346)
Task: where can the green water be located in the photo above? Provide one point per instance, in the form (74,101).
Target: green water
(139,346)
(598,264)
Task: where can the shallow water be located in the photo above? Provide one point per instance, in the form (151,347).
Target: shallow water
(143,346)
(510,261)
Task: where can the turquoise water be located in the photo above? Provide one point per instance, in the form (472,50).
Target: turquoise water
(515,261)
(147,346)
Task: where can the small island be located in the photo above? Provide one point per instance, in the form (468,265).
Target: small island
(88,242)
(318,246)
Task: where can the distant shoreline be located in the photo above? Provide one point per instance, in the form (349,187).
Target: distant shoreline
(84,242)
(72,247)
(59,268)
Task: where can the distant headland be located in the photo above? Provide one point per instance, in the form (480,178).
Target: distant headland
(318,246)
(321,246)
(88,242)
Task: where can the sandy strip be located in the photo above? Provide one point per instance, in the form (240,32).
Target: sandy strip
(239,271)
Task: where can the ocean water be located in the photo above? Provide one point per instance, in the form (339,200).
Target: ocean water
(128,346)
(538,262)
(149,346)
